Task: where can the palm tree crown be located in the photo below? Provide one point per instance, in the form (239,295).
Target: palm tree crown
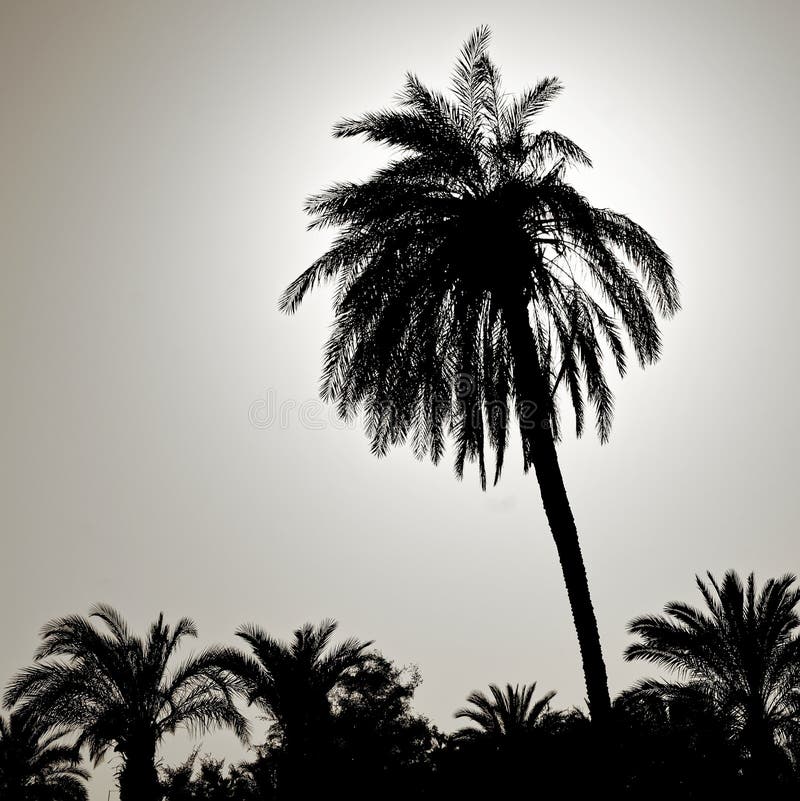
(446,256)
(293,681)
(505,713)
(741,654)
(119,690)
(36,764)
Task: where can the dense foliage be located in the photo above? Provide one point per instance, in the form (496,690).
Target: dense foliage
(36,764)
(336,718)
(115,690)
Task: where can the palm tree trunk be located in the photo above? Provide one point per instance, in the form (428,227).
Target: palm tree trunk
(534,390)
(138,779)
(294,770)
(565,535)
(763,768)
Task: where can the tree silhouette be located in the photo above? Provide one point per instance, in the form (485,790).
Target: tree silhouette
(475,286)
(492,758)
(378,747)
(292,682)
(509,713)
(36,764)
(741,655)
(209,781)
(120,691)
(673,747)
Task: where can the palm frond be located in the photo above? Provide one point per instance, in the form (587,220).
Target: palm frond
(472,225)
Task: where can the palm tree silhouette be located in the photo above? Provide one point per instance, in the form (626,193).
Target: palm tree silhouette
(36,764)
(472,278)
(292,683)
(120,691)
(510,713)
(741,656)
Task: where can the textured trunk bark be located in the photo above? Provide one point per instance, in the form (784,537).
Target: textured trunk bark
(565,535)
(535,391)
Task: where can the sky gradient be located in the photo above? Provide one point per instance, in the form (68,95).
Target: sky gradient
(155,158)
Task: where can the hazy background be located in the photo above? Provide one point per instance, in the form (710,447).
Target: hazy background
(154,158)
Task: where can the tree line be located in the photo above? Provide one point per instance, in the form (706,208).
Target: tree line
(725,718)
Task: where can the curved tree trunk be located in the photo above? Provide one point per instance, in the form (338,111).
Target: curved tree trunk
(565,535)
(535,391)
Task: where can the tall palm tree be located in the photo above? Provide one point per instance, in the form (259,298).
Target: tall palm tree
(36,764)
(117,690)
(293,683)
(504,714)
(741,654)
(475,286)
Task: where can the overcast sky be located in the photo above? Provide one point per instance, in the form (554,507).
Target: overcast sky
(154,159)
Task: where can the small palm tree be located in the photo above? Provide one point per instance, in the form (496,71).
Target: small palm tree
(475,286)
(741,655)
(503,714)
(120,691)
(293,684)
(36,764)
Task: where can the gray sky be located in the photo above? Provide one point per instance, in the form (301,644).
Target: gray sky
(154,158)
